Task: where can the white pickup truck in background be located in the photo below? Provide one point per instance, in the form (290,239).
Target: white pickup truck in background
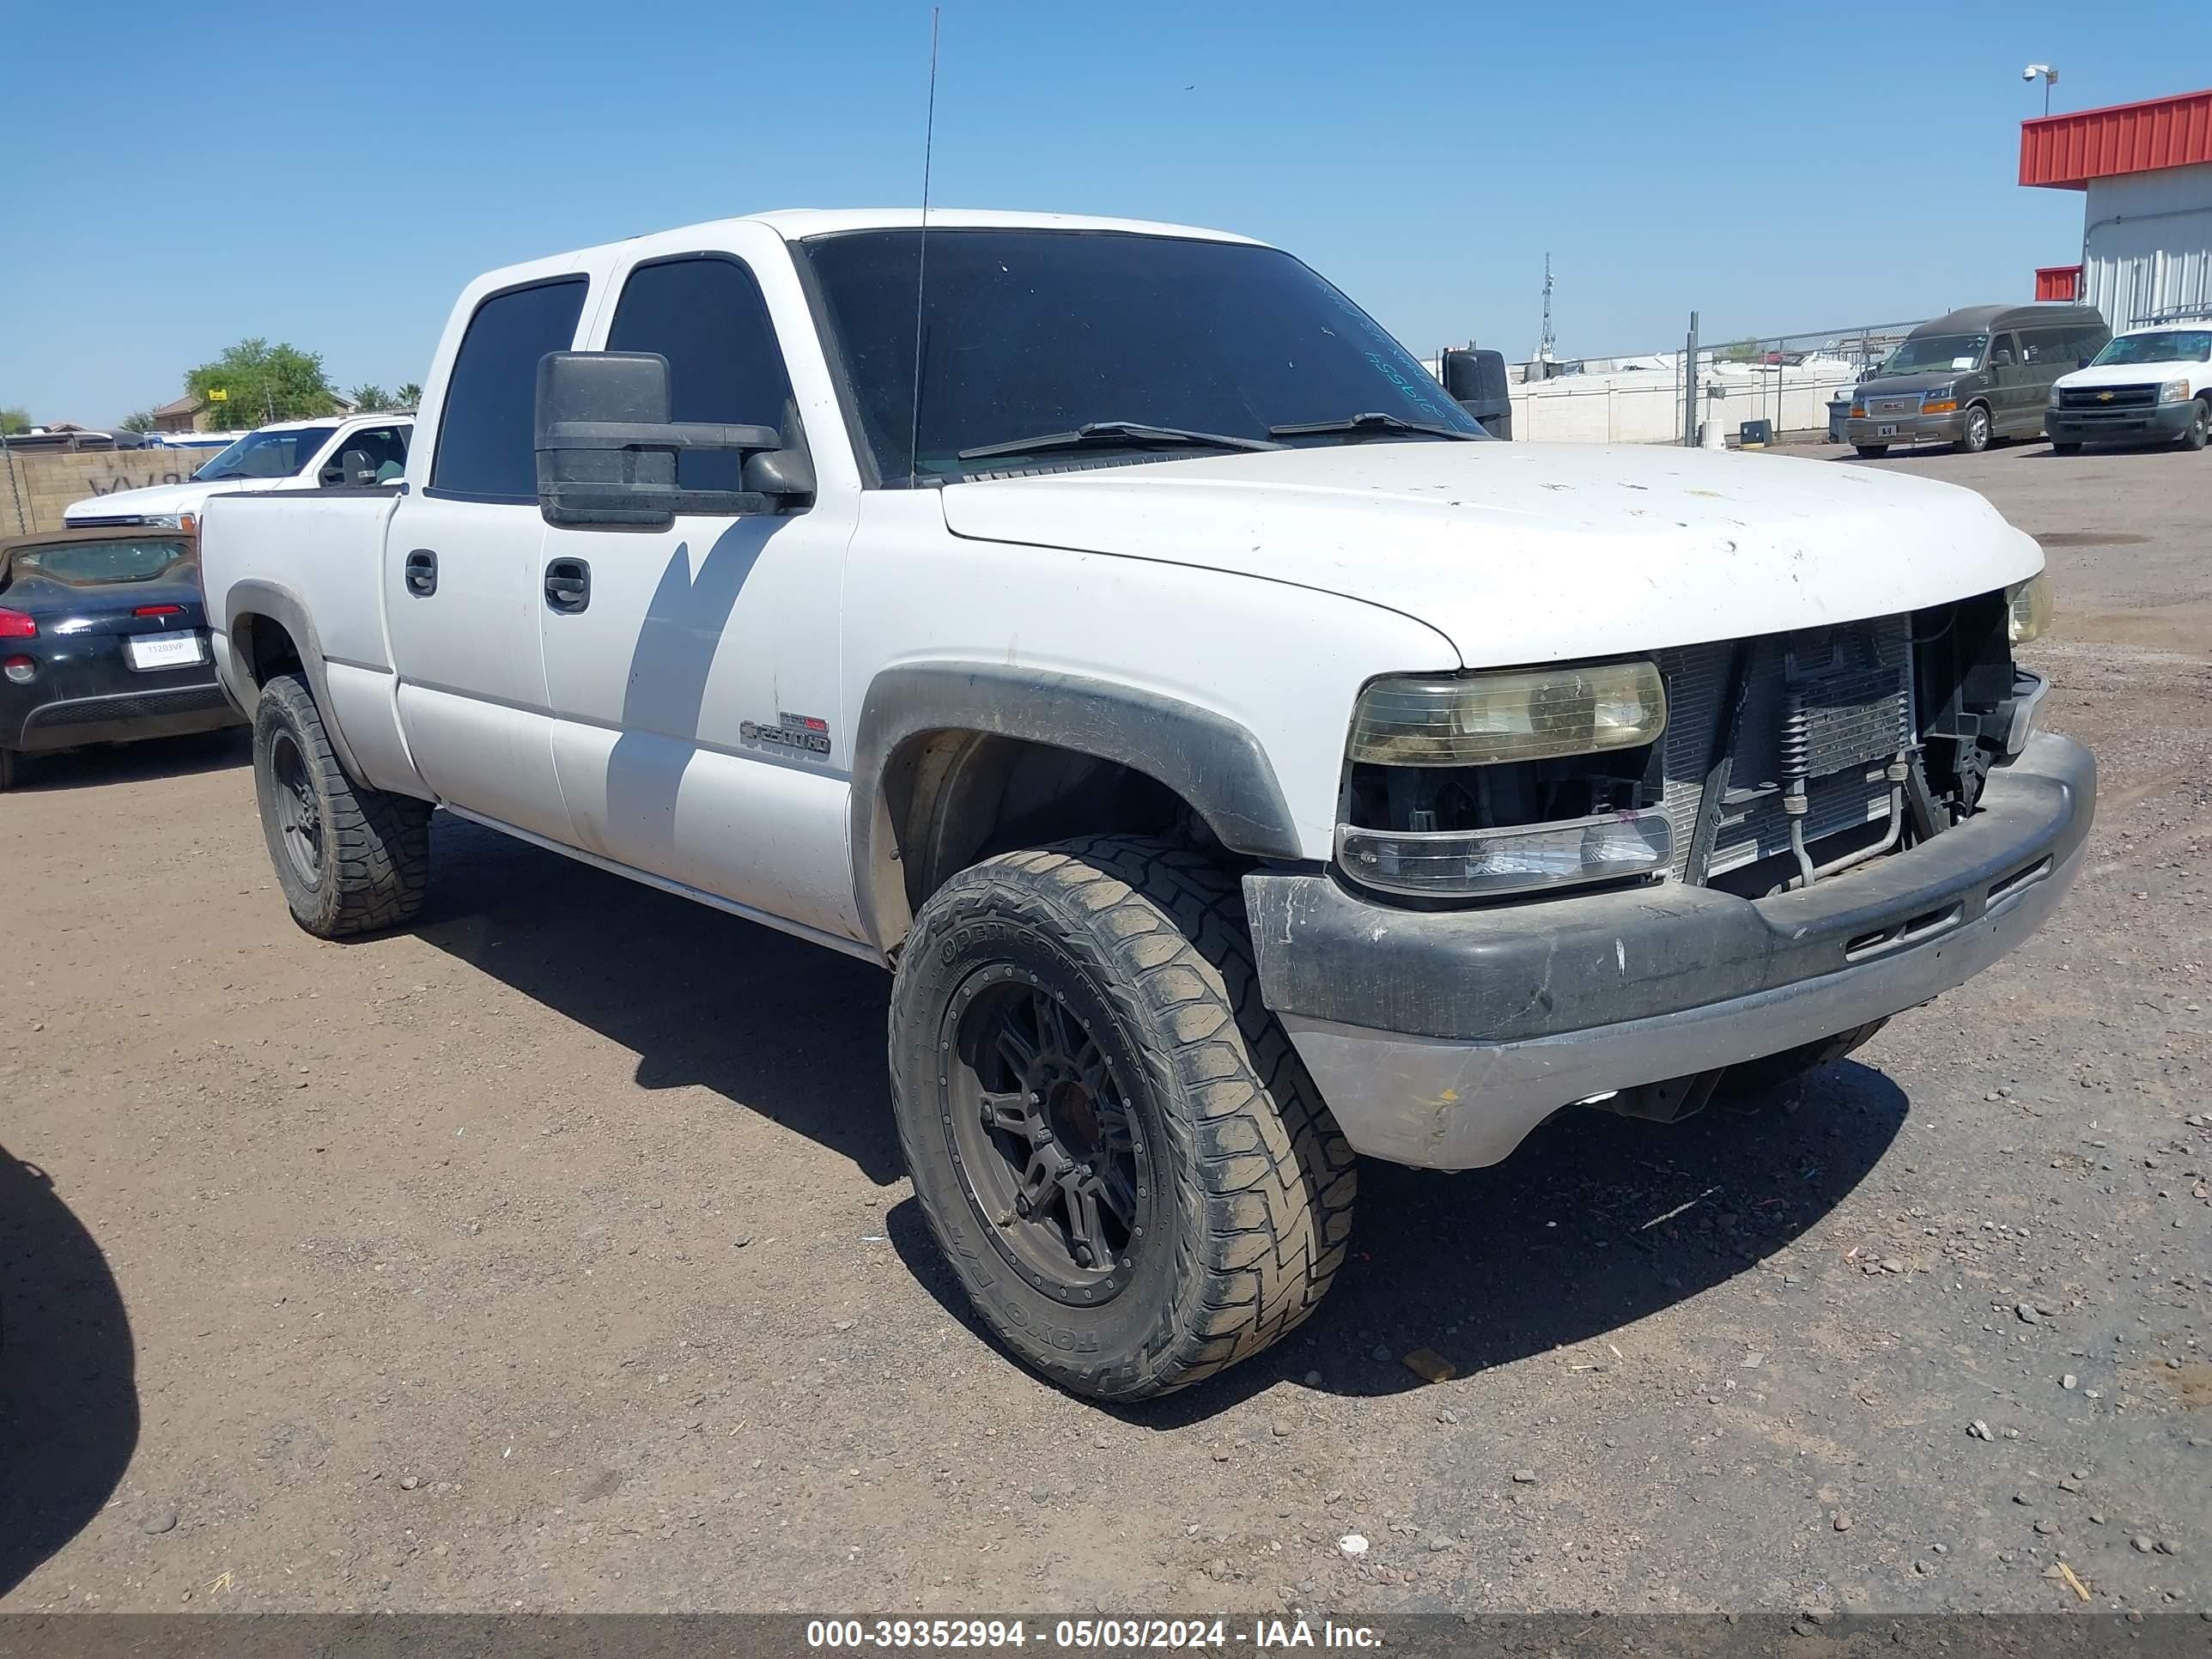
(356,450)
(1240,762)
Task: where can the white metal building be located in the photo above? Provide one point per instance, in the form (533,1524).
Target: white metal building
(2145,171)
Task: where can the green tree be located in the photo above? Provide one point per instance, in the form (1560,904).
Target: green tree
(410,395)
(370,395)
(12,420)
(263,382)
(141,422)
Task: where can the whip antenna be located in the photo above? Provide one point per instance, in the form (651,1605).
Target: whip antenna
(922,262)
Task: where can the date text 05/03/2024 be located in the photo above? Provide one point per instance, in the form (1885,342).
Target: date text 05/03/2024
(1089,1635)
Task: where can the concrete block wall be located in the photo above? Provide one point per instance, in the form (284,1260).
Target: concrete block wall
(35,486)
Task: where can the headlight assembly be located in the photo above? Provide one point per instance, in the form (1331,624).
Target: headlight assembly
(2174,391)
(1522,714)
(2029,604)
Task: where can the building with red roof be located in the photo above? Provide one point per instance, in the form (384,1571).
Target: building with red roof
(2145,172)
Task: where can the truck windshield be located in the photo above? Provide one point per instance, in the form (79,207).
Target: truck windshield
(2178,345)
(1034,334)
(1934,353)
(266,454)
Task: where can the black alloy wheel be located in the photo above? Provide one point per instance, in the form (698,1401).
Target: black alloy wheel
(1048,1152)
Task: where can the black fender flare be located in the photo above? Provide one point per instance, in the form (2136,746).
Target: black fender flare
(254,598)
(1204,758)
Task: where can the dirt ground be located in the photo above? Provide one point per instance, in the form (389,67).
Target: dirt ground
(556,1254)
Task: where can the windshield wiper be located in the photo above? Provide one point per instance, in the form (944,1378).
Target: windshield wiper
(1372,420)
(1115,433)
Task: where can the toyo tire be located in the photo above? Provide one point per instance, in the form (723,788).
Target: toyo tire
(1112,1138)
(350,860)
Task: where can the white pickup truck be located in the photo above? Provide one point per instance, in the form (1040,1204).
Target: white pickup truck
(356,450)
(1241,764)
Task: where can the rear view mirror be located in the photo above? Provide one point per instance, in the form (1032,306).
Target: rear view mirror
(1477,382)
(607,450)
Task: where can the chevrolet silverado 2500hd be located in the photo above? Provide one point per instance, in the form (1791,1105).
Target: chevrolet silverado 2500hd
(1241,765)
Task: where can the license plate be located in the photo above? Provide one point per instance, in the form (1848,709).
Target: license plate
(165,650)
(1885,431)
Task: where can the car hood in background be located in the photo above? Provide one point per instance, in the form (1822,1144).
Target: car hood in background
(1534,552)
(1908,386)
(2199,375)
(158,499)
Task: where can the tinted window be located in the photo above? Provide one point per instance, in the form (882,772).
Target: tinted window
(1028,332)
(484,435)
(381,449)
(706,315)
(266,454)
(2179,345)
(91,564)
(1925,353)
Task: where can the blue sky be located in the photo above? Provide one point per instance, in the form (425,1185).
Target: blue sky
(331,175)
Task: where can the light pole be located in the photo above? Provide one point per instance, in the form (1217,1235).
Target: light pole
(2050,77)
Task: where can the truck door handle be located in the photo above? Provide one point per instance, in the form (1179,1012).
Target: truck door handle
(421,573)
(567,585)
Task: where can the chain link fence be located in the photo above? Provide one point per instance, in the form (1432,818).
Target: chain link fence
(1789,380)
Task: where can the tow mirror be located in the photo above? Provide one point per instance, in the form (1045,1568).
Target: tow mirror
(607,450)
(1477,383)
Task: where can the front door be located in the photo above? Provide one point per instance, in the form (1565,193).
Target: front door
(461,572)
(692,672)
(2011,388)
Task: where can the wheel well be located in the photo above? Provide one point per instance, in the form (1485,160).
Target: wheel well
(265,648)
(956,796)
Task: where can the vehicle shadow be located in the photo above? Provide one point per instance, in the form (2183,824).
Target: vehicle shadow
(135,762)
(69,1395)
(1596,1222)
(785,1028)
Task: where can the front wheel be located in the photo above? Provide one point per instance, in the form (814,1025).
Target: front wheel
(350,860)
(1114,1141)
(1974,438)
(2199,428)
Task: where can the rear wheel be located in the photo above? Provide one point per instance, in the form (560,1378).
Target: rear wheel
(1872,452)
(2199,428)
(1974,436)
(1114,1141)
(1755,1078)
(349,859)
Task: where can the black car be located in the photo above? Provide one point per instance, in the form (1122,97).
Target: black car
(103,639)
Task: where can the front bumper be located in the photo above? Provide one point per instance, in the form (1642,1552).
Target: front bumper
(2105,426)
(1909,429)
(1441,1038)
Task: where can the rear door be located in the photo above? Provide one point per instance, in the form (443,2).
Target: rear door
(695,688)
(461,567)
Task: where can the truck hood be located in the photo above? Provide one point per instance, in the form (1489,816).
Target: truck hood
(1908,386)
(150,503)
(1534,552)
(2198,375)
